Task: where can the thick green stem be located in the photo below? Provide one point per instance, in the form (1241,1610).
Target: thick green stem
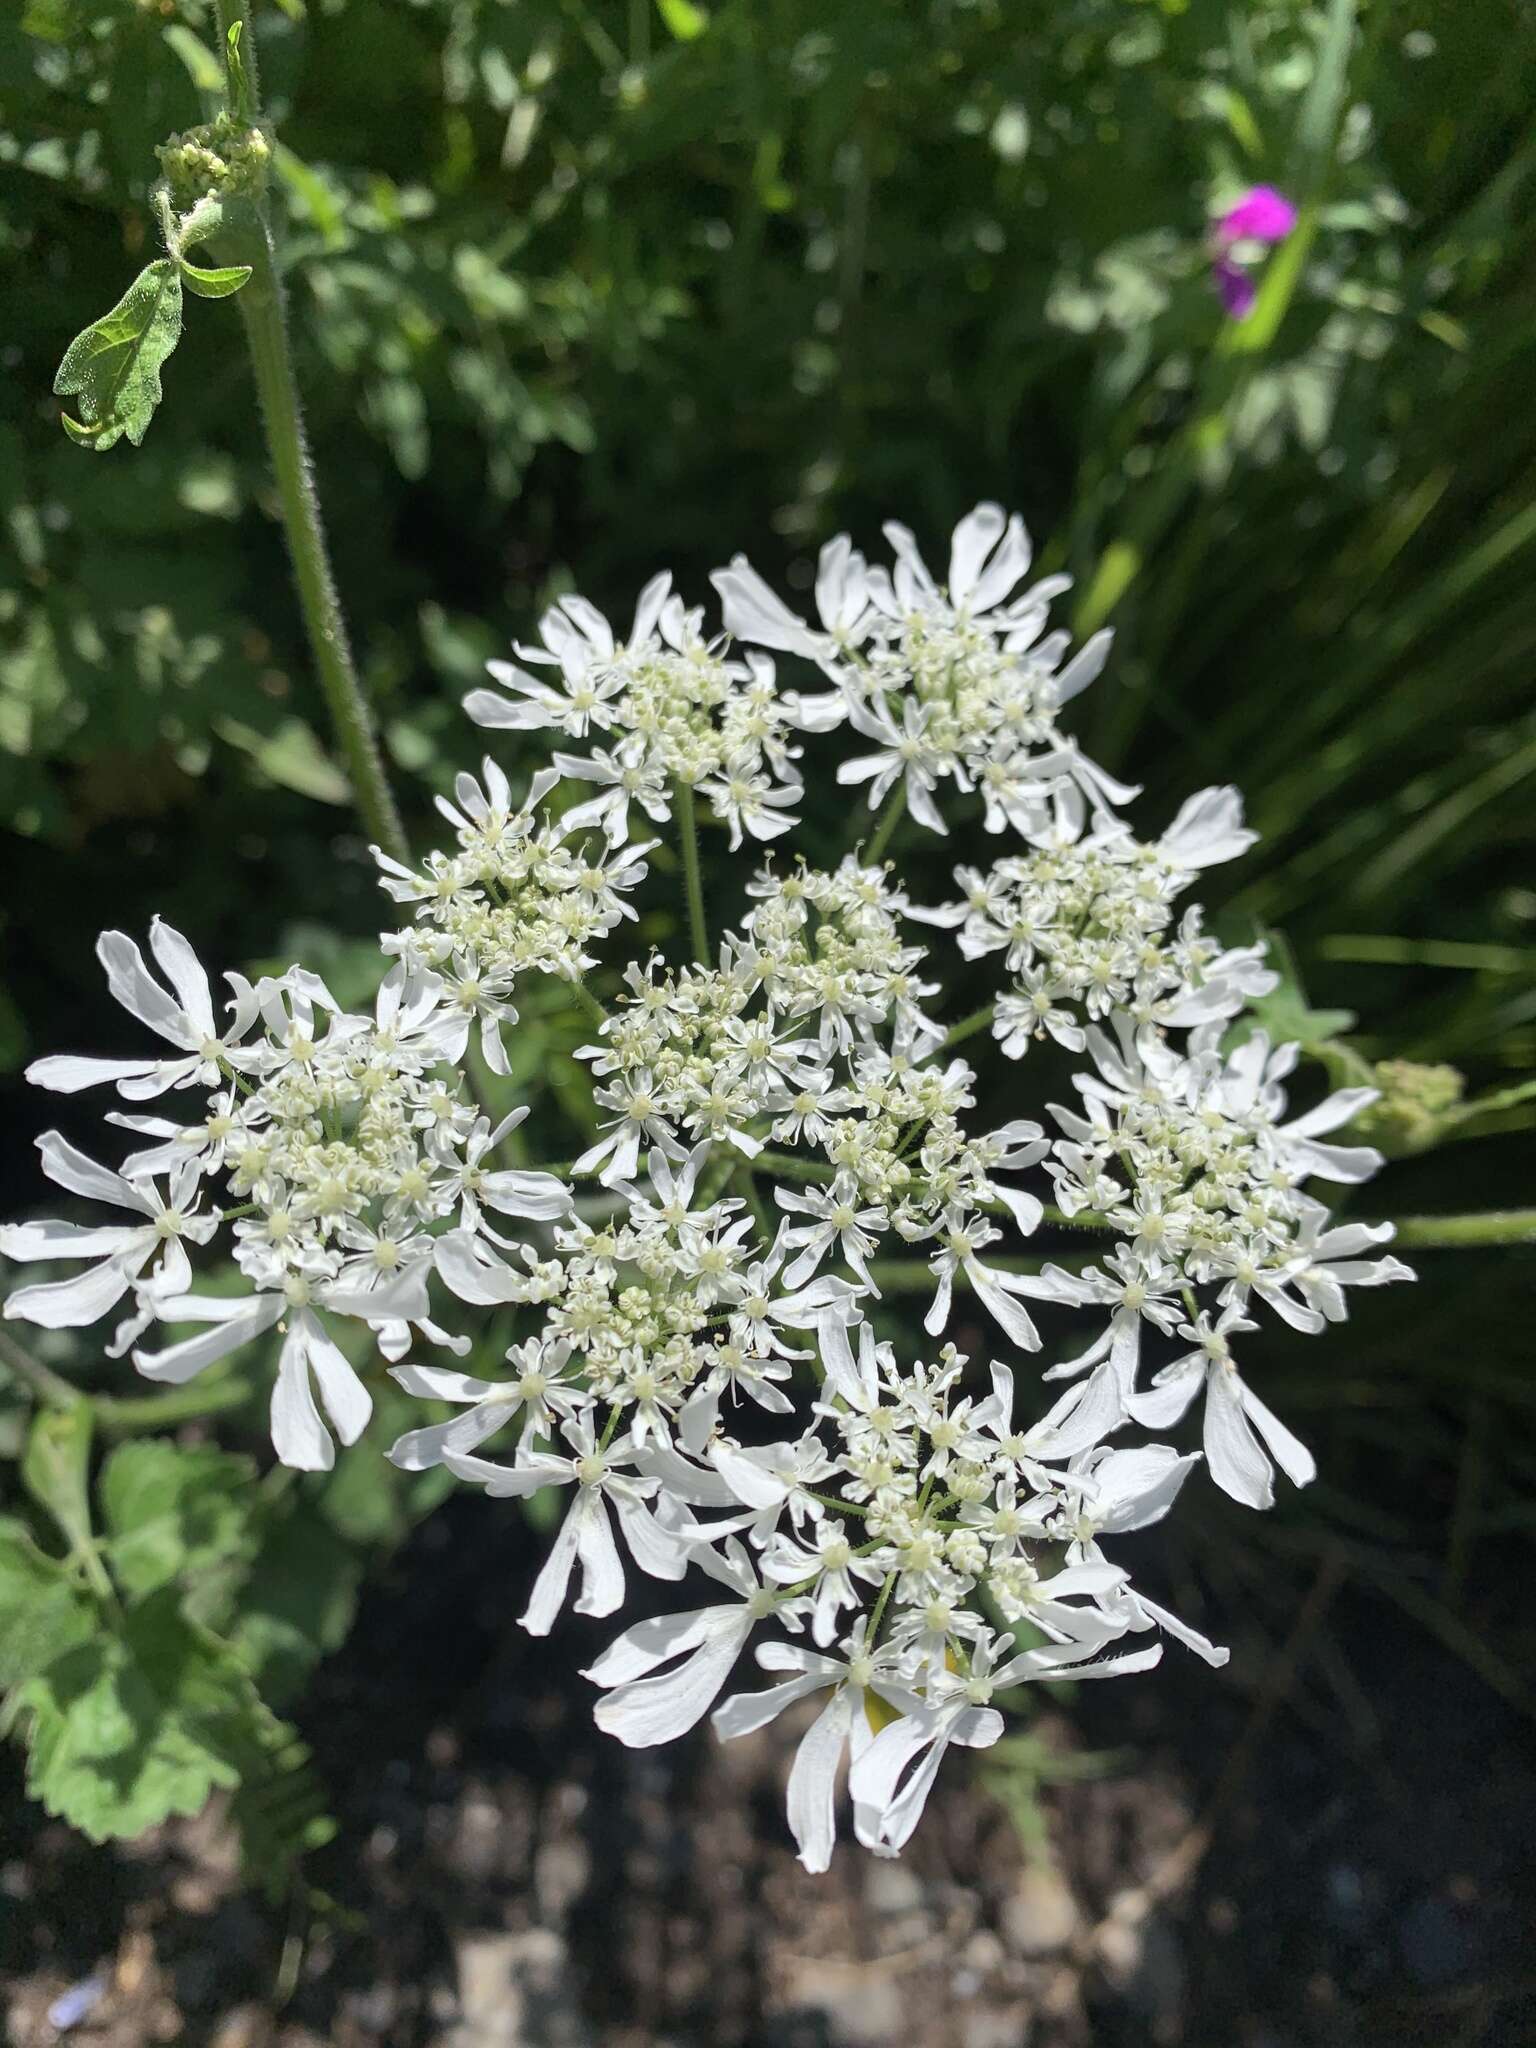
(895,810)
(693,879)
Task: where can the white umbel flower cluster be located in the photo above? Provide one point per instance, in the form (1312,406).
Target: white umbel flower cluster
(729,1310)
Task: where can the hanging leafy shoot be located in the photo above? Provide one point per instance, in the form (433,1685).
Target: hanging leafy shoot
(213,173)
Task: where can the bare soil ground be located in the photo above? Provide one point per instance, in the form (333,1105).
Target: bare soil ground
(1260,1871)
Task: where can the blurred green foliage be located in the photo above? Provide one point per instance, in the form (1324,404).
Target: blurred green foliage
(579,289)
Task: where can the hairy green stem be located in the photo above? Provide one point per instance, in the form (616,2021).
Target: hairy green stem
(596,1014)
(968,1027)
(693,879)
(266,333)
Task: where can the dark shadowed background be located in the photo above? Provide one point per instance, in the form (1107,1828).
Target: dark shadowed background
(580,290)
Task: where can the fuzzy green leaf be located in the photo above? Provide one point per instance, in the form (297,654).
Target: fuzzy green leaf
(168,1511)
(220,283)
(127,1728)
(113,368)
(54,1466)
(42,1614)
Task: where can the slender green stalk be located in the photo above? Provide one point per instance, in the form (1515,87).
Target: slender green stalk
(51,1389)
(128,1414)
(746,1184)
(688,836)
(1465,1233)
(266,333)
(788,1167)
(895,810)
(594,1009)
(979,1020)
(121,1415)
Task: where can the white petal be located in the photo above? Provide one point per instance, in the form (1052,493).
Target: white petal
(1290,1453)
(812,1793)
(71,1169)
(236,1323)
(602,1572)
(1238,1464)
(184,971)
(346,1400)
(299,1437)
(655,1710)
(66,1073)
(71,1304)
(550,1587)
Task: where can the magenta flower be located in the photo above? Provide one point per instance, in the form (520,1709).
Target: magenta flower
(1263,215)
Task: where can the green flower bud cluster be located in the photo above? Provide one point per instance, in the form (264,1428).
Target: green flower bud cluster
(1414,1103)
(223,158)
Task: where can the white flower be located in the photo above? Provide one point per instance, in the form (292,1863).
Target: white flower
(1238,1426)
(183,1016)
(953,683)
(662,1676)
(854,1679)
(309,1352)
(602,1482)
(682,1281)
(122,1251)
(891,1779)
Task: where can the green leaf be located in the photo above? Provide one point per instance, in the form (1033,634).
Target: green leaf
(292,757)
(54,1465)
(42,1614)
(221,283)
(113,368)
(168,1511)
(128,1728)
(202,66)
(295,1602)
(684,20)
(1285,1013)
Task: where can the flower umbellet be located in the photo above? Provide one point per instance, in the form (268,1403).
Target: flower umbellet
(709,1366)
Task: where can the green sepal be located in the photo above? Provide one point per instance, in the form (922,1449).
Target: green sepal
(114,366)
(222,283)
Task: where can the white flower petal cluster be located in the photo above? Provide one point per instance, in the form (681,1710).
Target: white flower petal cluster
(675,711)
(956,683)
(331,1144)
(715,1360)
(1084,923)
(523,894)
